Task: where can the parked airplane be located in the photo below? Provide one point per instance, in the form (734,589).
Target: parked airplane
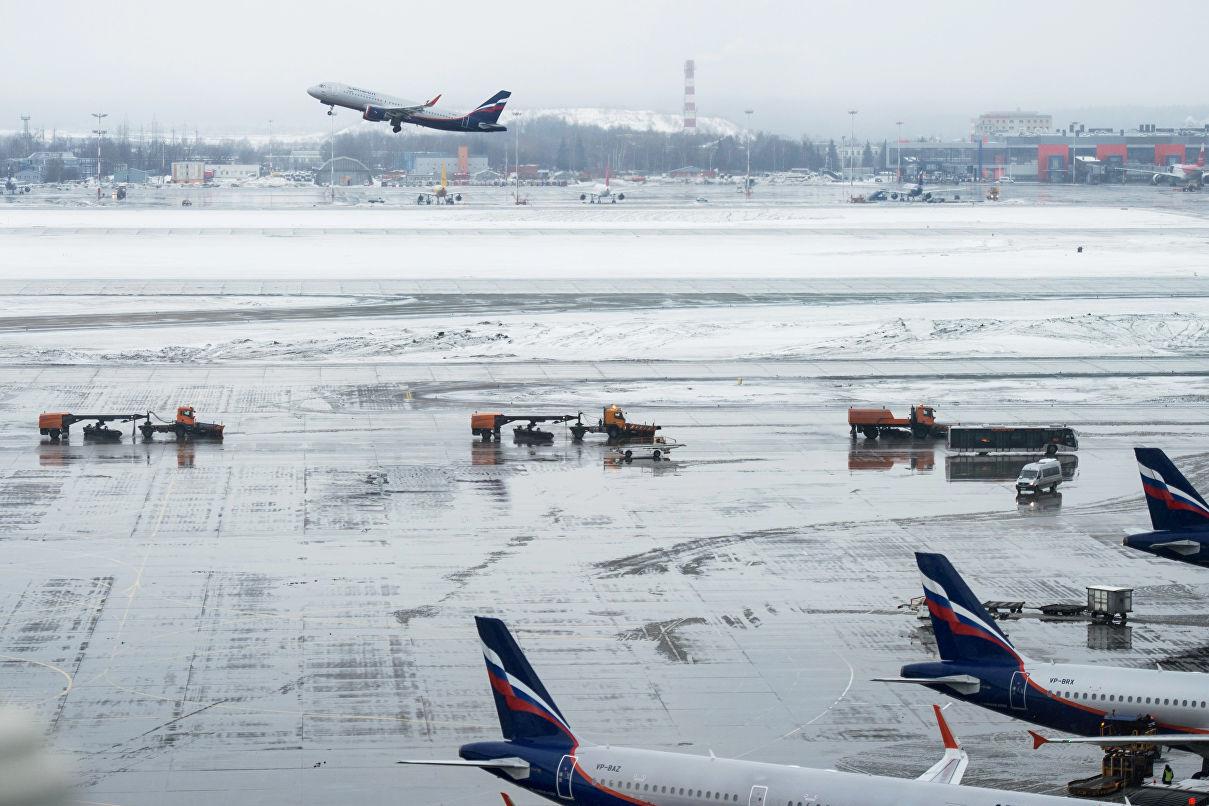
(1178,512)
(979,665)
(1190,175)
(602,194)
(377,107)
(540,753)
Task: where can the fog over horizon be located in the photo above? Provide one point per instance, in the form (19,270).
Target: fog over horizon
(230,68)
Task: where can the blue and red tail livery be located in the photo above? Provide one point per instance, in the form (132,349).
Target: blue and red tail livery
(489,111)
(963,628)
(1174,503)
(1178,512)
(526,710)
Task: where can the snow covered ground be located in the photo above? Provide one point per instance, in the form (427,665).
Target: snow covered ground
(553,245)
(620,248)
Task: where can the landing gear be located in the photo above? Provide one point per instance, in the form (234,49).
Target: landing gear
(396,128)
(331,110)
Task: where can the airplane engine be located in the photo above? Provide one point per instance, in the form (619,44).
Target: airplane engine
(1157,179)
(620,197)
(374,113)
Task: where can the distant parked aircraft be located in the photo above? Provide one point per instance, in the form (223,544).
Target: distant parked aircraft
(1190,175)
(377,107)
(540,753)
(601,193)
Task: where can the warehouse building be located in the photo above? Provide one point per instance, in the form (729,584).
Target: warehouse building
(997,125)
(343,171)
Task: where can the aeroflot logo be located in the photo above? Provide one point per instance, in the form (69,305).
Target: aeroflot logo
(938,595)
(1173,496)
(495,668)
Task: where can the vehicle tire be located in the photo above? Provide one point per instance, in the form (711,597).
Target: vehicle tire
(656,456)
(869,431)
(54,435)
(1051,450)
(613,431)
(920,431)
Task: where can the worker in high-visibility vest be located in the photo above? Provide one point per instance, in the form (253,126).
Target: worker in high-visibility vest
(1168,775)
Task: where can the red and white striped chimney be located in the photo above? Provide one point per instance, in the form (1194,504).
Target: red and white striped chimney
(690,98)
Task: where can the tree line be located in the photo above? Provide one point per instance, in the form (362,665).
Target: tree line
(547,142)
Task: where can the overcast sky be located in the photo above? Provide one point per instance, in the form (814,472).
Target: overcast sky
(231,66)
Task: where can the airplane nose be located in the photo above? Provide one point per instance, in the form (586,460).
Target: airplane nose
(313,91)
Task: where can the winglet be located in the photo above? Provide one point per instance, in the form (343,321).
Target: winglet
(946,735)
(507,800)
(1038,739)
(433,102)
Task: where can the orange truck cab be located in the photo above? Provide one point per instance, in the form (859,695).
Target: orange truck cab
(921,422)
(613,415)
(185,415)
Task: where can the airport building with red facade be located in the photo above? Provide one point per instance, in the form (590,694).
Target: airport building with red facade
(1095,155)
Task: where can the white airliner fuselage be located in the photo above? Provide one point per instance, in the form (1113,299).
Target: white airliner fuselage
(377,106)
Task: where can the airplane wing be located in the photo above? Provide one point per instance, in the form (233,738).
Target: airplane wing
(964,683)
(952,765)
(404,111)
(1169,739)
(515,768)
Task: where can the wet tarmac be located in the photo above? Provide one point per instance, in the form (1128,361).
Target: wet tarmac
(280,617)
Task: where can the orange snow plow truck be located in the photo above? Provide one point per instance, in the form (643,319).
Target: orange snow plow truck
(873,423)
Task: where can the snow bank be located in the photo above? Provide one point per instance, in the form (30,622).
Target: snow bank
(925,330)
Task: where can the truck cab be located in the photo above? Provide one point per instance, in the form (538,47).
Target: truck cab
(923,415)
(1045,474)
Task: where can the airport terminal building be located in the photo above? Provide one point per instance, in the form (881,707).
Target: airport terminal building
(1086,156)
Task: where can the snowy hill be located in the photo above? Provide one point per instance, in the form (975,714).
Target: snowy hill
(636,119)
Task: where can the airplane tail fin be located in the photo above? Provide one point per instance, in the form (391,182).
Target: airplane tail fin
(526,710)
(489,111)
(1174,503)
(963,628)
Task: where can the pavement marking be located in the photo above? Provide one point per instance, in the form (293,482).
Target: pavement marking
(66,676)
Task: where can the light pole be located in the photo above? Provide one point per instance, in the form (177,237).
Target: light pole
(332,164)
(899,124)
(99,132)
(517,198)
(747,179)
(852,145)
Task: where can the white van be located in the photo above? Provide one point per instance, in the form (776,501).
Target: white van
(1040,475)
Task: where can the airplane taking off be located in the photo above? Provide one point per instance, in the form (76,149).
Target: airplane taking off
(541,754)
(376,107)
(1178,512)
(979,665)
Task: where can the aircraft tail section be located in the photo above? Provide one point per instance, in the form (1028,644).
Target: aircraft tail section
(963,628)
(526,710)
(489,111)
(1173,502)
